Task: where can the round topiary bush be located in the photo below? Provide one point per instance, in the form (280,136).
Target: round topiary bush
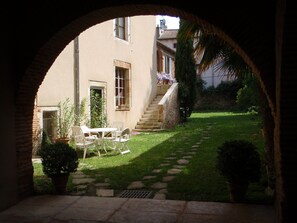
(239,161)
(58,159)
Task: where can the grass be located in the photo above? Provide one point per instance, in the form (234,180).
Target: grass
(199,180)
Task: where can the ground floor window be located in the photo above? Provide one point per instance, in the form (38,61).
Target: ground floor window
(122,89)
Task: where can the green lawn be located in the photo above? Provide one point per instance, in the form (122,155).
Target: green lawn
(199,180)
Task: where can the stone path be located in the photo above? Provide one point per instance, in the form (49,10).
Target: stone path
(168,169)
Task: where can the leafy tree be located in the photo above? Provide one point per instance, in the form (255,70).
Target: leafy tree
(215,51)
(185,73)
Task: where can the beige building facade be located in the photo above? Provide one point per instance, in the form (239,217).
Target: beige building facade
(117,59)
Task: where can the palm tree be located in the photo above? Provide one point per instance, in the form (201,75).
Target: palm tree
(215,51)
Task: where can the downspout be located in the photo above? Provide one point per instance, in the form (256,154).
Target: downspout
(76,77)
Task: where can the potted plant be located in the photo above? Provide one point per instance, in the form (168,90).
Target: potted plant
(58,161)
(66,117)
(239,162)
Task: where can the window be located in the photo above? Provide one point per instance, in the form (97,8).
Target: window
(121,28)
(122,88)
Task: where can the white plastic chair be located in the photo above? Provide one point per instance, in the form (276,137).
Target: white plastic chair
(83,142)
(121,141)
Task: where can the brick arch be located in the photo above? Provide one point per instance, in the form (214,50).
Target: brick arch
(53,43)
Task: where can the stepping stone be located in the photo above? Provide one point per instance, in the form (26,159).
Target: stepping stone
(83,180)
(159,185)
(165,164)
(195,146)
(159,196)
(187,157)
(102,185)
(205,137)
(78,193)
(178,166)
(105,192)
(174,171)
(168,178)
(91,190)
(148,177)
(183,161)
(79,174)
(82,187)
(135,185)
(163,191)
(170,158)
(156,171)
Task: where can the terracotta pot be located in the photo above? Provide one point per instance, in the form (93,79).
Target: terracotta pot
(63,139)
(237,191)
(60,183)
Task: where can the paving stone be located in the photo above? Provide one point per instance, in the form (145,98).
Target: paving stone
(81,187)
(78,193)
(195,146)
(183,161)
(187,157)
(135,185)
(148,177)
(83,180)
(79,175)
(163,191)
(168,178)
(170,158)
(159,196)
(156,171)
(102,185)
(165,164)
(105,192)
(174,171)
(159,185)
(179,166)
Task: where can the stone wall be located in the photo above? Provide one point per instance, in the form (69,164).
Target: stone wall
(169,108)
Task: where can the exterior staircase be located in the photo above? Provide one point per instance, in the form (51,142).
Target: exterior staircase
(149,120)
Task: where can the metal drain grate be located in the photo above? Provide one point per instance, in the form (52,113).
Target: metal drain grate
(136,194)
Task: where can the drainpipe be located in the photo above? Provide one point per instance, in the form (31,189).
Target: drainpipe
(76,76)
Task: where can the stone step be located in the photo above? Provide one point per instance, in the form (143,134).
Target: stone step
(152,123)
(147,127)
(149,119)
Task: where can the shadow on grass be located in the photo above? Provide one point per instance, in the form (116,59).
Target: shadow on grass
(199,180)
